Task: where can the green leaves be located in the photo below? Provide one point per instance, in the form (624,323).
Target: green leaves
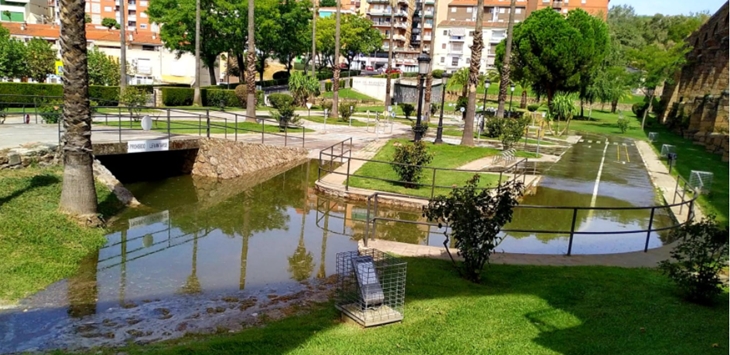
(408,162)
(357,35)
(103,69)
(12,56)
(302,87)
(40,58)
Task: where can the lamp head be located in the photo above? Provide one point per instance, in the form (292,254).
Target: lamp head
(424,62)
(512,87)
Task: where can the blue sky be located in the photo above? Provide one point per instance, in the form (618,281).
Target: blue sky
(671,7)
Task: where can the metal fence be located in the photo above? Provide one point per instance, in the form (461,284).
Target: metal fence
(372,219)
(341,153)
(123,124)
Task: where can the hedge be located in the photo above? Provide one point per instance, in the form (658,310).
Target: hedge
(177,96)
(210,97)
(19,94)
(213,97)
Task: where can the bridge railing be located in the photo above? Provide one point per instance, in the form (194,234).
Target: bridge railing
(124,123)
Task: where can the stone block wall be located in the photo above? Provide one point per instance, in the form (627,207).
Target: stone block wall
(225,159)
(17,158)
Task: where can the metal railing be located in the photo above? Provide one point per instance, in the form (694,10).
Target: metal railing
(329,155)
(372,203)
(682,192)
(167,123)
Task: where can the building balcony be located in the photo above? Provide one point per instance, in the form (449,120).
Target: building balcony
(381,24)
(457,38)
(558,4)
(456,50)
(429,2)
(132,18)
(401,14)
(400,25)
(428,25)
(429,14)
(497,39)
(132,7)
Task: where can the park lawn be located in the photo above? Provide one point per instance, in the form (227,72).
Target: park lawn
(458,132)
(445,156)
(194,127)
(515,310)
(124,112)
(349,94)
(320,119)
(605,122)
(38,244)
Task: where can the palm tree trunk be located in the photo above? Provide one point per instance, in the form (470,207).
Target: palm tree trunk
(79,195)
(122,48)
(504,83)
(388,99)
(197,98)
(523,101)
(467,137)
(251,66)
(336,76)
(314,35)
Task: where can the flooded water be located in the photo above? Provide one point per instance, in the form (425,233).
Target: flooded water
(205,255)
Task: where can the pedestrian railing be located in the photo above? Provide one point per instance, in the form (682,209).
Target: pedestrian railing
(372,219)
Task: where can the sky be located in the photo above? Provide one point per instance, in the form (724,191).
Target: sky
(671,7)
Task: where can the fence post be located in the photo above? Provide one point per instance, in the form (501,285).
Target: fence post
(367,224)
(207,123)
(676,187)
(303,131)
(235,134)
(347,181)
(572,231)
(648,231)
(375,217)
(262,131)
(200,123)
(168,123)
(690,213)
(286,133)
(433,182)
(119,118)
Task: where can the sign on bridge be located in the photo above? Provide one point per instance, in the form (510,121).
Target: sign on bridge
(150,145)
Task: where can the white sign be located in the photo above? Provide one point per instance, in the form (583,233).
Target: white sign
(146,123)
(159,217)
(150,145)
(309,105)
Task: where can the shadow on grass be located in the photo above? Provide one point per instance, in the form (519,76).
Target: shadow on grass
(516,310)
(35,182)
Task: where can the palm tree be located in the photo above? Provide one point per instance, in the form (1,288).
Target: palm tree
(505,82)
(79,195)
(336,76)
(314,35)
(393,4)
(429,76)
(467,137)
(251,65)
(197,99)
(192,283)
(322,273)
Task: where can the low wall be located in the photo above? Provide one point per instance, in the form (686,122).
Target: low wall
(17,158)
(373,87)
(225,159)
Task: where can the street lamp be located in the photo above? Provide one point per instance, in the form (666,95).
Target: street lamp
(440,130)
(486,88)
(424,61)
(511,95)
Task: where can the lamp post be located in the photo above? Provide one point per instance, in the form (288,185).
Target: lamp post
(486,88)
(440,129)
(424,61)
(511,95)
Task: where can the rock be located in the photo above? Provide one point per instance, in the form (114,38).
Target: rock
(14,159)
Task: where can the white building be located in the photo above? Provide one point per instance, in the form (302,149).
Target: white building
(453,45)
(30,11)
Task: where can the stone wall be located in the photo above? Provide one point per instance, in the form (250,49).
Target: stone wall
(17,158)
(701,88)
(225,159)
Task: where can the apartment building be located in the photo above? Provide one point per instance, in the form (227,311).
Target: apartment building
(98,10)
(149,62)
(31,11)
(455,34)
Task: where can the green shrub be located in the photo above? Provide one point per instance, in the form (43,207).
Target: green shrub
(302,87)
(214,98)
(299,66)
(51,111)
(434,108)
(639,108)
(462,101)
(281,75)
(623,124)
(19,94)
(177,96)
(328,86)
(134,99)
(241,93)
(327,105)
(407,108)
(512,131)
(408,162)
(493,127)
(533,107)
(345,111)
(105,95)
(700,255)
(280,100)
(438,73)
(476,217)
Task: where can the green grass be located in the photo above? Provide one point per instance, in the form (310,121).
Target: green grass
(457,132)
(605,122)
(349,94)
(191,127)
(445,156)
(38,244)
(516,310)
(124,111)
(320,119)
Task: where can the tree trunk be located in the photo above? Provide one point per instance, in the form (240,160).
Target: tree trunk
(251,66)
(429,77)
(314,35)
(388,99)
(78,196)
(241,68)
(211,73)
(581,108)
(504,83)
(467,137)
(336,74)
(614,104)
(648,109)
(523,101)
(197,98)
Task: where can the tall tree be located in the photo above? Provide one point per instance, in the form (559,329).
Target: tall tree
(197,98)
(103,69)
(314,36)
(293,39)
(467,137)
(41,59)
(251,65)
(357,35)
(123,47)
(336,74)
(504,83)
(12,56)
(388,99)
(78,196)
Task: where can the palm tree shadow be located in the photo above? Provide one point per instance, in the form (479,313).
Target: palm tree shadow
(35,182)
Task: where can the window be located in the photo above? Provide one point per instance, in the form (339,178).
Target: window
(471,33)
(143,15)
(502,10)
(143,3)
(454,61)
(468,10)
(96,19)
(96,8)
(443,46)
(468,60)
(453,9)
(144,27)
(518,11)
(583,1)
(148,48)
(443,59)
(446,32)
(107,9)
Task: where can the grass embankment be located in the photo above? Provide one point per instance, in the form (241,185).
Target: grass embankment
(516,310)
(445,156)
(195,127)
(690,156)
(38,244)
(350,95)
